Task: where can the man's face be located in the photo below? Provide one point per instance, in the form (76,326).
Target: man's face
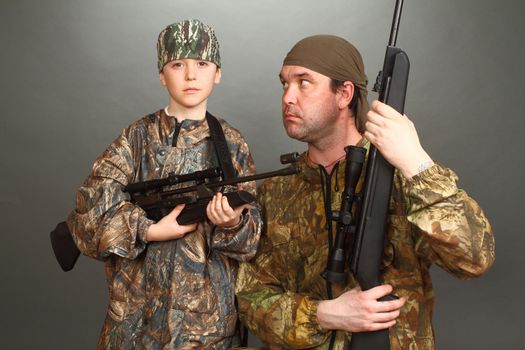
(189,81)
(308,104)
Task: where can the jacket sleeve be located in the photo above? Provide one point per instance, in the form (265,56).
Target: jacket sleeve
(104,221)
(451,229)
(240,242)
(267,304)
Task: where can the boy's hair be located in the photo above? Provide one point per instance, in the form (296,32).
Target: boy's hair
(188,39)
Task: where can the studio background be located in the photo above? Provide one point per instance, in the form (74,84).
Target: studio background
(75,73)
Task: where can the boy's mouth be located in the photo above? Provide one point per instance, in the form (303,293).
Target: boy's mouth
(191,90)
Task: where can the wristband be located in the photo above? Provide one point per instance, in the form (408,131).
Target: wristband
(424,166)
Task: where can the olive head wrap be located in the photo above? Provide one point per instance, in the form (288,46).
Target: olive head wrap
(335,58)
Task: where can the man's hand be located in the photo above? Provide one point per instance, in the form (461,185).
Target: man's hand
(168,228)
(221,214)
(396,139)
(359,311)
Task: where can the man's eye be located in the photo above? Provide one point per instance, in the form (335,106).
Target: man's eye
(285,85)
(304,82)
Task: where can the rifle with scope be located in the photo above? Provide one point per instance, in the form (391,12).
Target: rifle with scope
(157,198)
(365,229)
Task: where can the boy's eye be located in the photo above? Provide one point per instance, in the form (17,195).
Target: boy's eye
(203,63)
(176,64)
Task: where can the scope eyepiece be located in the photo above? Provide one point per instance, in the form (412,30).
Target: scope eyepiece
(288,158)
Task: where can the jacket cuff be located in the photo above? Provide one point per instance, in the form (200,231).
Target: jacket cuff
(306,316)
(143,228)
(430,186)
(244,220)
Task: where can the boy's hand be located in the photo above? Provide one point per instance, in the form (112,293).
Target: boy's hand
(221,214)
(168,228)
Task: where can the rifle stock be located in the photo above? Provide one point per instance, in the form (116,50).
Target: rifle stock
(195,209)
(65,249)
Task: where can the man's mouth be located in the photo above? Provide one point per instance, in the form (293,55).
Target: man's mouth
(288,115)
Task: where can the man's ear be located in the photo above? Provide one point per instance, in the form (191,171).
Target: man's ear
(345,93)
(162,79)
(218,75)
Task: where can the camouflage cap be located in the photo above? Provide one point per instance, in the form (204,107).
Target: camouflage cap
(188,39)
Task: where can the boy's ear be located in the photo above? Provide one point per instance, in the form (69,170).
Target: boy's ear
(162,79)
(217,79)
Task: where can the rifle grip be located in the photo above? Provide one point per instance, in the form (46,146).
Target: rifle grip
(372,340)
(197,212)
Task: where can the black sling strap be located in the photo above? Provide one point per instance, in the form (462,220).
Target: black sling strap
(219,142)
(228,172)
(221,147)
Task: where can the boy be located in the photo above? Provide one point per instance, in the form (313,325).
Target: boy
(170,285)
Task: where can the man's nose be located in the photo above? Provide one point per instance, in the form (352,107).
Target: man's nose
(289,96)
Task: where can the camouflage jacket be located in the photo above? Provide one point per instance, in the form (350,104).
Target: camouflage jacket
(431,221)
(173,294)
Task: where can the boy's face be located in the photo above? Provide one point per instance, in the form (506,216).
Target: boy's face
(189,81)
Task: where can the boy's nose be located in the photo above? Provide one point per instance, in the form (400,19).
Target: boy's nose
(191,72)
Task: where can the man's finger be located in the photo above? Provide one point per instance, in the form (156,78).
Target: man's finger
(385,110)
(382,317)
(372,128)
(378,292)
(377,326)
(390,305)
(375,118)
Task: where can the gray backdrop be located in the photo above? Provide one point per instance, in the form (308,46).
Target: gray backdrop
(74,73)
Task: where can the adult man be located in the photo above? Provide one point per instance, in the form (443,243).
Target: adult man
(282,297)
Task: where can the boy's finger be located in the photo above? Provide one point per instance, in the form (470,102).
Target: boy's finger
(226,205)
(177,210)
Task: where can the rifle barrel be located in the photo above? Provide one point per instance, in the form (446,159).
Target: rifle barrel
(290,170)
(395,23)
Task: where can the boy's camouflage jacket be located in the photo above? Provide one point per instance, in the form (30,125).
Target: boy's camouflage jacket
(173,294)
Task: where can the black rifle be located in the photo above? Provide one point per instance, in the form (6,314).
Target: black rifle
(369,228)
(157,201)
